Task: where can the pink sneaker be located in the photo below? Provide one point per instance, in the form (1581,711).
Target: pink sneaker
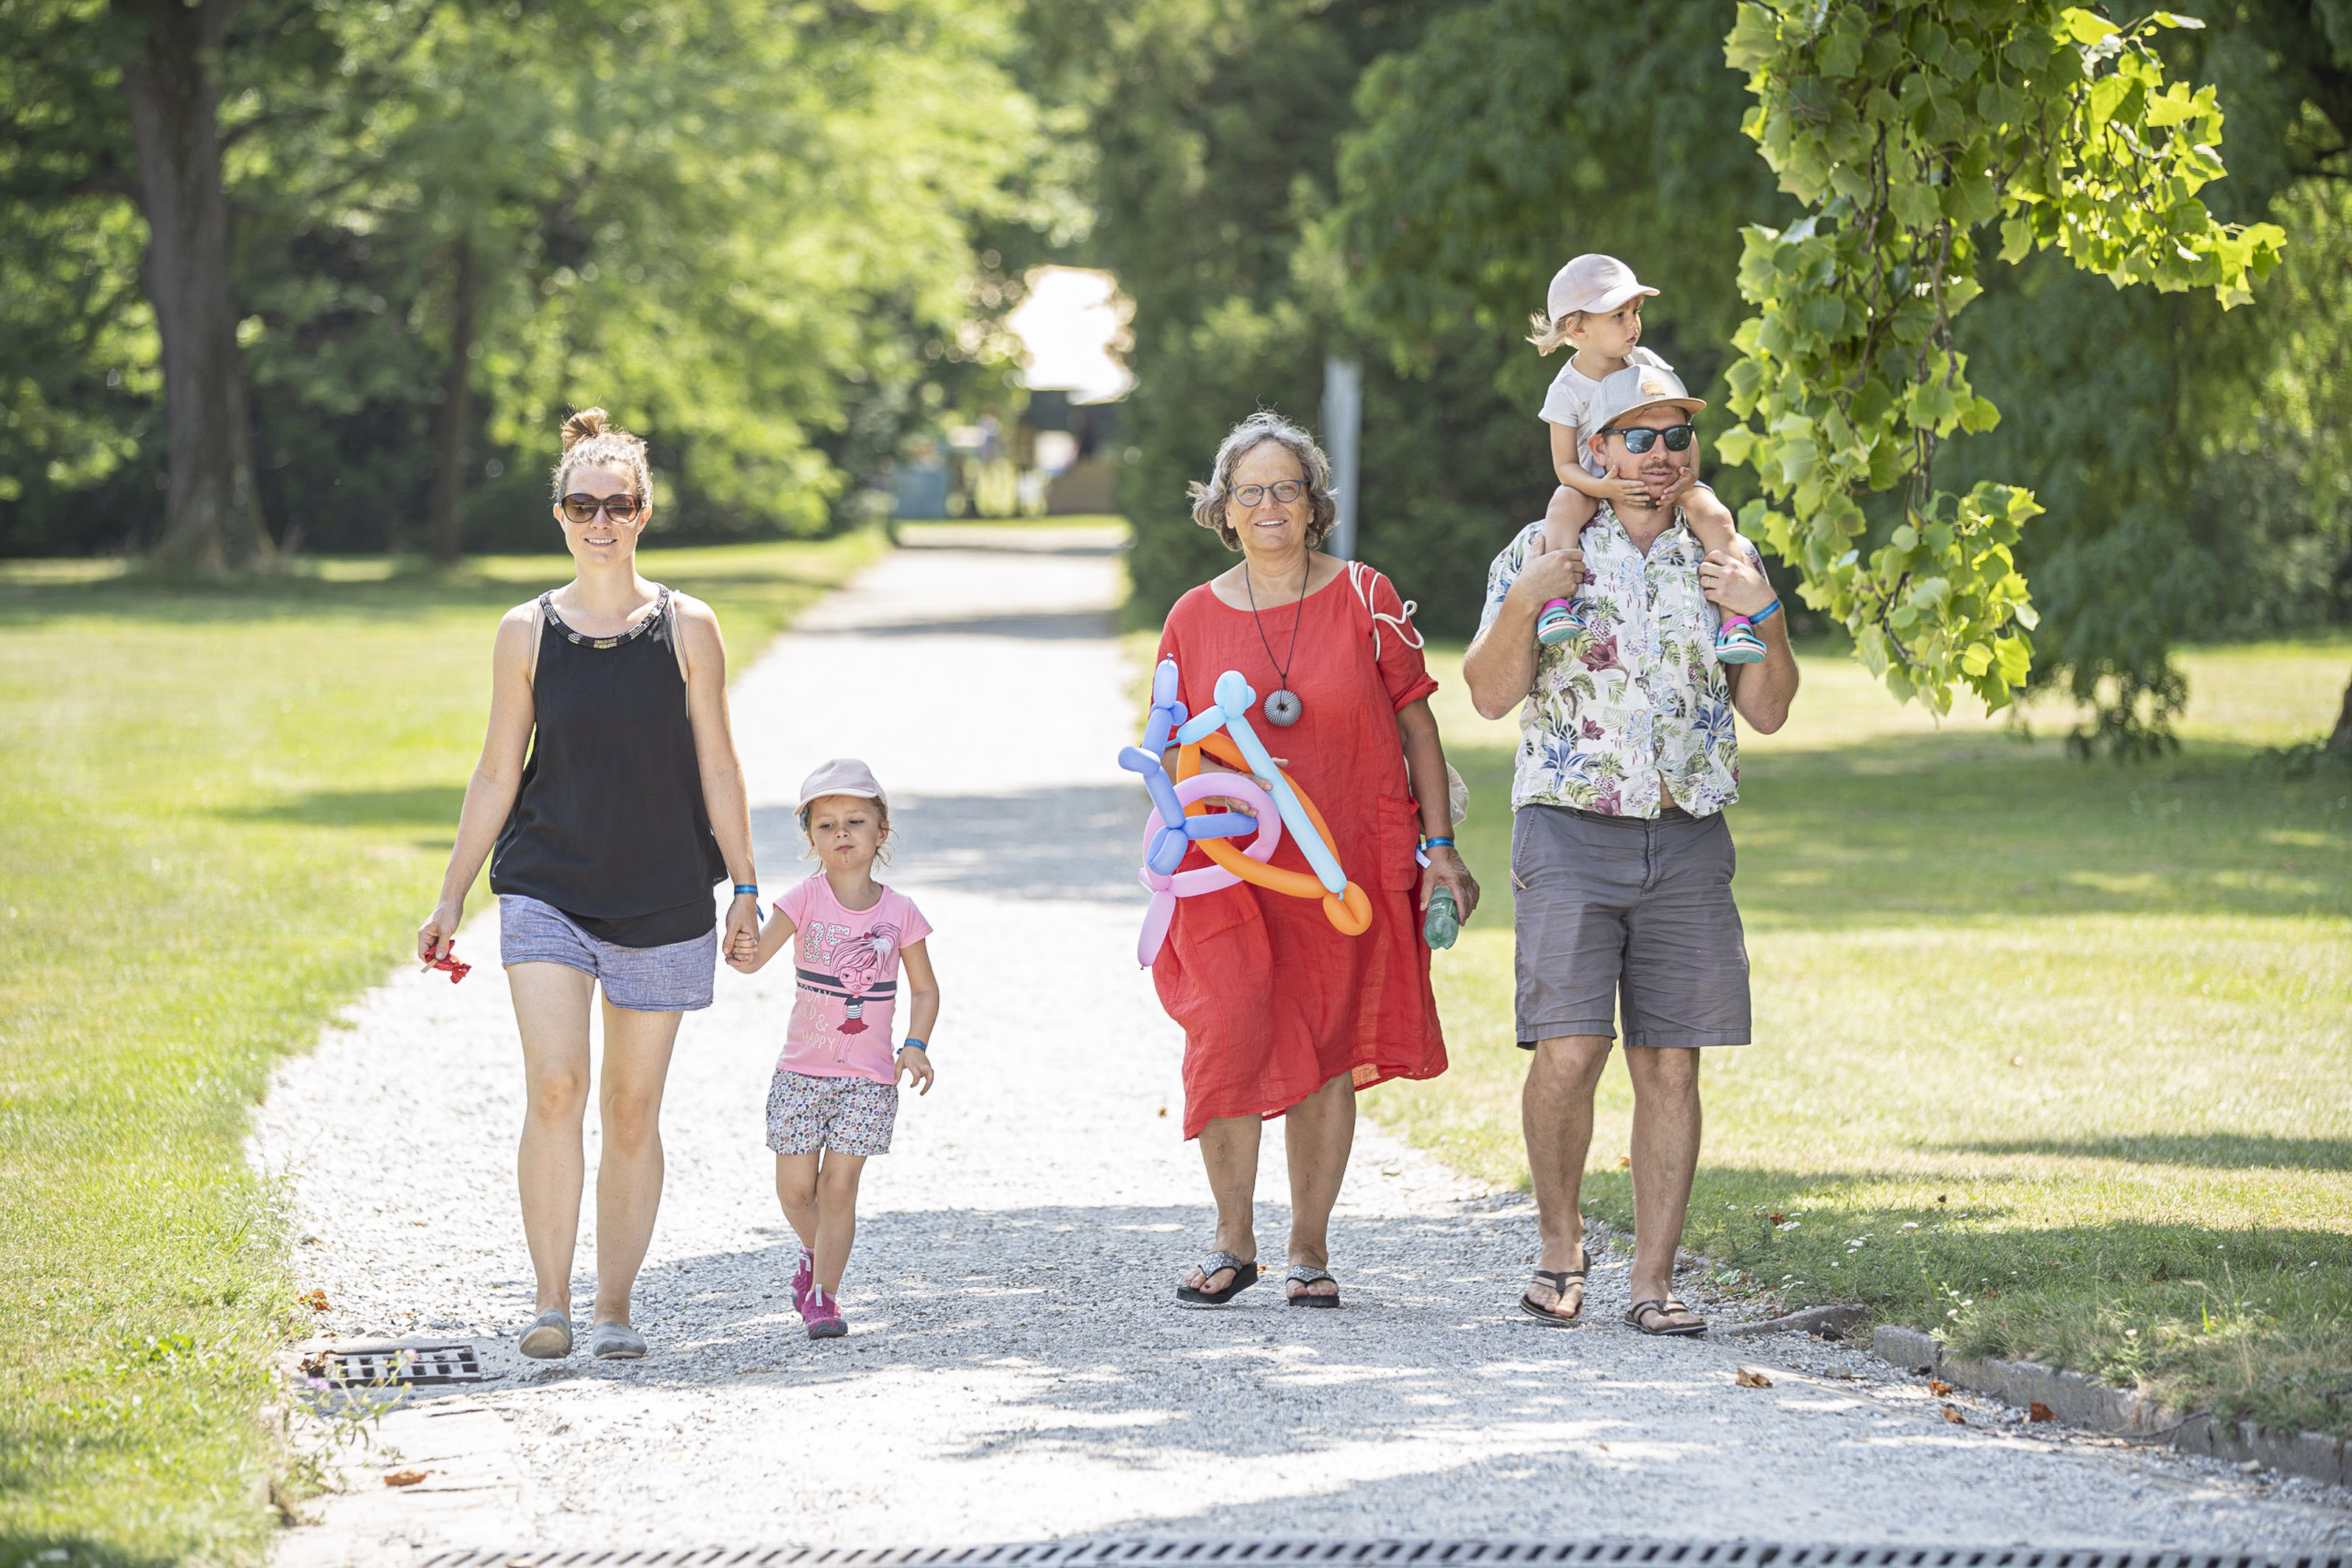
(803,1278)
(822,1313)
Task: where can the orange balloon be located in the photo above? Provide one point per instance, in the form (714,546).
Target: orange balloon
(1351,913)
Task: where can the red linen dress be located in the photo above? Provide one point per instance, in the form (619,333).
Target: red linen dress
(1275,1001)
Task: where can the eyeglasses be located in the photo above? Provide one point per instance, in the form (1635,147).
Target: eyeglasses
(1641,439)
(580,508)
(1285,491)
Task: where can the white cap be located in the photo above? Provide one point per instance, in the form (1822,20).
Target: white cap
(1593,282)
(843,775)
(1637,387)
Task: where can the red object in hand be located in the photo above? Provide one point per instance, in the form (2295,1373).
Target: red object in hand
(456,971)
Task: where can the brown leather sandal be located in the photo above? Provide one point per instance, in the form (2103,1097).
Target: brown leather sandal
(1559,1279)
(1654,1318)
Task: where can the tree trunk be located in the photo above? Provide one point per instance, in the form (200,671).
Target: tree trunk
(170,82)
(454,418)
(2340,742)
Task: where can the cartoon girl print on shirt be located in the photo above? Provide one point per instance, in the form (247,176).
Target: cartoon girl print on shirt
(857,964)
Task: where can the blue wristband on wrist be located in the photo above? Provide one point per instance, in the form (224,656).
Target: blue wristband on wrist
(1766,614)
(1437,843)
(751,887)
(912,1043)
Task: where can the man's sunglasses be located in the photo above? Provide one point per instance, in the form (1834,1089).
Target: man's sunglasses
(1642,438)
(584,507)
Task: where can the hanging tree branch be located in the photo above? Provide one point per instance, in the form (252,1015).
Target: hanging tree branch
(1906,126)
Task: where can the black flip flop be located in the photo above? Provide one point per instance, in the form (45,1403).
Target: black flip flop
(1302,1274)
(1244,1276)
(1560,1279)
(1639,1310)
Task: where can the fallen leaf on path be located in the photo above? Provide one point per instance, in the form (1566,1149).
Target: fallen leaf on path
(1776,1220)
(316,1301)
(2037,1411)
(1749,1377)
(1938,1387)
(1954,1417)
(1163,1111)
(405,1477)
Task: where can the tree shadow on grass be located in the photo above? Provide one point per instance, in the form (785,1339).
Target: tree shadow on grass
(420,806)
(2216,1150)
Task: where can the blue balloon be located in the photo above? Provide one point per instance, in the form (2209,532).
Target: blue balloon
(1285,800)
(1168,846)
(1135,760)
(1220,825)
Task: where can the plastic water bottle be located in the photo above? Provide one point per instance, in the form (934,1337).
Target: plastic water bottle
(1442,923)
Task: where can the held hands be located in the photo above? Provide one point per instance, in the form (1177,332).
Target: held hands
(914,1068)
(433,936)
(1446,870)
(741,942)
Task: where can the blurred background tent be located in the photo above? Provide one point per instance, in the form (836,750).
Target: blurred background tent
(792,242)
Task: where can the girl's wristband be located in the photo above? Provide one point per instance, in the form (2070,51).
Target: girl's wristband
(912,1043)
(747,888)
(1766,614)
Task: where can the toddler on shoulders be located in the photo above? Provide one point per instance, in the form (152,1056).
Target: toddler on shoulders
(1595,304)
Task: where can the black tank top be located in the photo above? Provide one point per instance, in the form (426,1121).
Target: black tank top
(609,825)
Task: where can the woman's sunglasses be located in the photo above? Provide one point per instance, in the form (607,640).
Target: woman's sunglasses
(1641,439)
(620,509)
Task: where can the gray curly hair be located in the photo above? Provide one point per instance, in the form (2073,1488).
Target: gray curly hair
(1209,499)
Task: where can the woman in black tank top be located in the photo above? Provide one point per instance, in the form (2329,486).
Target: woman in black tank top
(610,790)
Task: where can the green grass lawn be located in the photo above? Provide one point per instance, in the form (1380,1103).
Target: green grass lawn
(222,813)
(2053,1057)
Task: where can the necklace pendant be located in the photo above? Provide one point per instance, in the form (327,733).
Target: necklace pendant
(1283,708)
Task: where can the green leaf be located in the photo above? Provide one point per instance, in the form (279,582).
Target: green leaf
(2084,27)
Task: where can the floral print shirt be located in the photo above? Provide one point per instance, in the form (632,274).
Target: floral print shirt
(1636,697)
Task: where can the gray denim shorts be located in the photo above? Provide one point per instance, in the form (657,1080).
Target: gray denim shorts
(676,978)
(1624,911)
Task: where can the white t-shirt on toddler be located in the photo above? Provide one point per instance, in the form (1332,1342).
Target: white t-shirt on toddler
(1569,402)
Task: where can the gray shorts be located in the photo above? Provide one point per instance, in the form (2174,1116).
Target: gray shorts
(1624,910)
(676,978)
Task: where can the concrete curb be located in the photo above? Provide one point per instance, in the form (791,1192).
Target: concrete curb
(2084,1402)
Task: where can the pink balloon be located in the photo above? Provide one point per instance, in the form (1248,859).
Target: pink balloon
(1155,928)
(1166,891)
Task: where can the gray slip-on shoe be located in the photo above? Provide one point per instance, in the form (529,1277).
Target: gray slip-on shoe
(548,1338)
(615,1341)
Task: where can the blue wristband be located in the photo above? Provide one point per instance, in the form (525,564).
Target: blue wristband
(1437,844)
(1766,614)
(743,888)
(912,1043)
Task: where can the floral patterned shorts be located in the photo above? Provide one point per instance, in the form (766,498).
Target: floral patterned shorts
(846,1115)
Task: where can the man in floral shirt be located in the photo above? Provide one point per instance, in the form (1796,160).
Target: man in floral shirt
(1621,859)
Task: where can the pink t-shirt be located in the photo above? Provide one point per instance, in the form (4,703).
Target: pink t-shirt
(846,962)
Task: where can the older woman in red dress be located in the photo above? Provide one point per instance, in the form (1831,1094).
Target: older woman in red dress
(1282,1015)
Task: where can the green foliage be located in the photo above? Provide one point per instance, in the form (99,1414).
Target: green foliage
(1908,130)
(750,231)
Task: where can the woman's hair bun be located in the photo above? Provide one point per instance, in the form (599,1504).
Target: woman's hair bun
(584,426)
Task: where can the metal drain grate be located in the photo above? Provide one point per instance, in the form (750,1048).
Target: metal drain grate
(396,1365)
(1389,1554)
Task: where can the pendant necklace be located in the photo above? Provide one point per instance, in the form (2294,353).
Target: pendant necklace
(1282,706)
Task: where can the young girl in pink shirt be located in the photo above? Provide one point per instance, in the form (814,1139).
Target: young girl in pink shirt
(835,1096)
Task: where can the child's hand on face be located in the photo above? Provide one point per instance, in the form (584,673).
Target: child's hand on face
(914,1068)
(1631,492)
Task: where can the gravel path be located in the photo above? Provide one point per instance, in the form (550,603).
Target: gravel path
(1016,1368)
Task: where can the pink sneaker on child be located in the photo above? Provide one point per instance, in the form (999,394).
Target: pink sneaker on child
(803,1277)
(822,1313)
